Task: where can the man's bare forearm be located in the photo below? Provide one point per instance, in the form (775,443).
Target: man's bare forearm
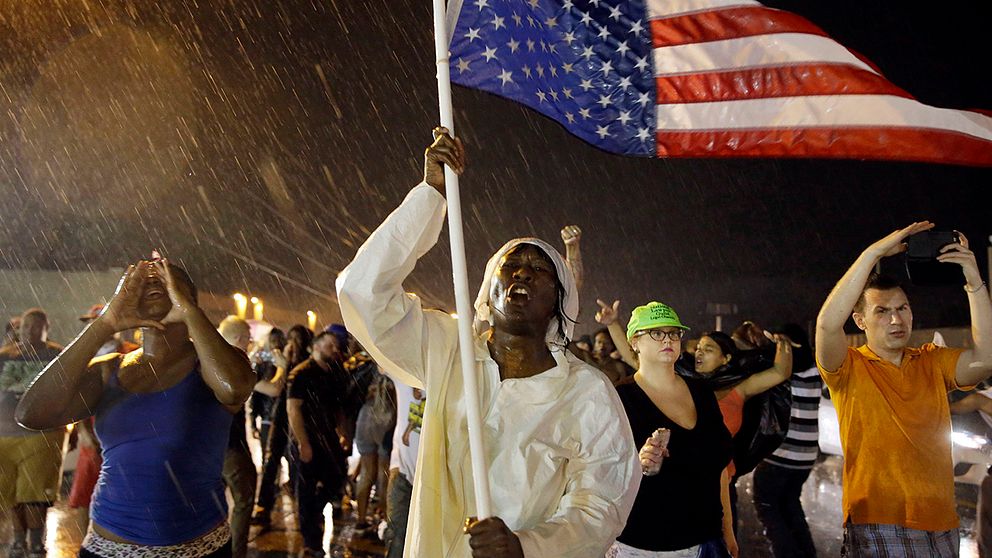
(66,389)
(831,342)
(297,426)
(573,256)
(845,294)
(981,334)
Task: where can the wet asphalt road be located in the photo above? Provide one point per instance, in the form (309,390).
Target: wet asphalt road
(821,500)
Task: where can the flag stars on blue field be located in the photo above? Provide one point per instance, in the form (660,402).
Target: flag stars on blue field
(582,62)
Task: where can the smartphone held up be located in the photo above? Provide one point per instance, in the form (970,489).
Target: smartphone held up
(922,265)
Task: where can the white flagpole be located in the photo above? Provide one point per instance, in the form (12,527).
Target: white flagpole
(463,306)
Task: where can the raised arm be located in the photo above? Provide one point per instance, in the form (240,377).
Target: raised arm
(608,315)
(831,343)
(767,379)
(68,389)
(224,368)
(975,364)
(390,323)
(571,235)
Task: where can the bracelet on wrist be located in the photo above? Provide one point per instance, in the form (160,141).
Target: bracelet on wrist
(975,290)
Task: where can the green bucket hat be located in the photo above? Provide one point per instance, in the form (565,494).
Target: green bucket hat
(651,316)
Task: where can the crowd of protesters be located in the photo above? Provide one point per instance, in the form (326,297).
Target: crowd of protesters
(626,443)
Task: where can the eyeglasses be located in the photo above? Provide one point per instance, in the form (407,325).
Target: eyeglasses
(661,335)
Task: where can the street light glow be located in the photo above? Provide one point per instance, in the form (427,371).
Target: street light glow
(241,305)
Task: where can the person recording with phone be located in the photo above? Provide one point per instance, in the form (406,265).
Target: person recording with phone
(891,402)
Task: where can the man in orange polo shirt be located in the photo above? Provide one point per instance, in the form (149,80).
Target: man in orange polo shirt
(891,403)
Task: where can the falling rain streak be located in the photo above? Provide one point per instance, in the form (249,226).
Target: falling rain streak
(259,142)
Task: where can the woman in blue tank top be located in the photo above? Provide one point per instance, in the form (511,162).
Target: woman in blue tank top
(163,414)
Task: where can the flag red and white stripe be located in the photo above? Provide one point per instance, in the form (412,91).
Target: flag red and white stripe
(737,79)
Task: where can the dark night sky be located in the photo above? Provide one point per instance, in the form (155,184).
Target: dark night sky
(239,135)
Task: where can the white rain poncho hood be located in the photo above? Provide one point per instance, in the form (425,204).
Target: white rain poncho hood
(570,306)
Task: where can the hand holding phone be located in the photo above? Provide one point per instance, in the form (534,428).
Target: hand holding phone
(922,252)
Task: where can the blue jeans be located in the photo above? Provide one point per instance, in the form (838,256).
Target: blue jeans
(400,491)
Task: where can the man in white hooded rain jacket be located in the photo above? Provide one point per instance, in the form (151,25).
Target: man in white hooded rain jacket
(563,470)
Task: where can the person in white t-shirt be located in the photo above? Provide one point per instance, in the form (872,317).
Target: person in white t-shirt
(403,465)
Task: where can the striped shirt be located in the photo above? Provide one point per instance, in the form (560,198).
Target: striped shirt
(799,449)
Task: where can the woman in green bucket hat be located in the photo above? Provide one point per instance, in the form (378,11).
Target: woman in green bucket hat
(718,367)
(679,506)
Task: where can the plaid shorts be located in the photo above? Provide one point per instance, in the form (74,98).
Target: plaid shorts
(875,540)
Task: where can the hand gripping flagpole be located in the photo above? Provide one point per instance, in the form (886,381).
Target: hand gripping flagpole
(466,340)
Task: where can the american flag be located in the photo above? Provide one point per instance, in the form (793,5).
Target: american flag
(701,78)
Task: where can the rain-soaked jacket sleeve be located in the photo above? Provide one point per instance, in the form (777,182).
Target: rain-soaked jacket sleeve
(390,323)
(602,485)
